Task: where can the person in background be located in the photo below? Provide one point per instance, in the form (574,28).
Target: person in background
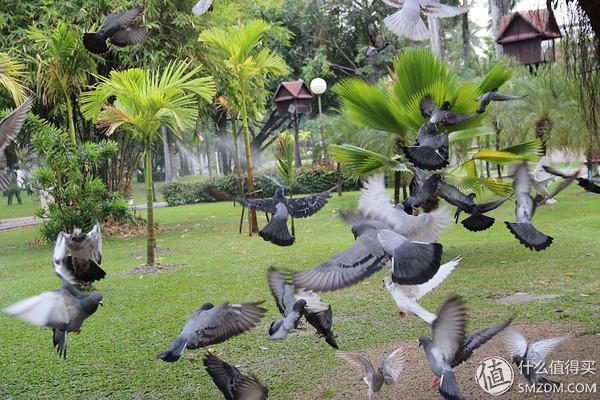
(16,175)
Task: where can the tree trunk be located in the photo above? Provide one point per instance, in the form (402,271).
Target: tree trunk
(151,240)
(71,121)
(253,228)
(435,40)
(238,165)
(466,34)
(167,153)
(498,9)
(397,179)
(340,179)
(298,158)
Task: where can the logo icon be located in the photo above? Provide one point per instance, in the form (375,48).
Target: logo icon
(495,375)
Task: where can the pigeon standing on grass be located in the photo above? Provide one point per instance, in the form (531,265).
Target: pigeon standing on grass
(448,331)
(530,358)
(64,310)
(430,151)
(388,371)
(407,296)
(211,325)
(232,383)
(116,28)
(77,256)
(476,221)
(10,126)
(493,95)
(587,184)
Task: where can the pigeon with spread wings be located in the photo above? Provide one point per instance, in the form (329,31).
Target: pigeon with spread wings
(77,256)
(441,115)
(476,221)
(388,371)
(430,151)
(117,28)
(211,325)
(407,22)
(587,184)
(232,383)
(493,95)
(10,126)
(64,310)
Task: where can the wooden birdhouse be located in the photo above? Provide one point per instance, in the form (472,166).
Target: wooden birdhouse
(293,98)
(523,33)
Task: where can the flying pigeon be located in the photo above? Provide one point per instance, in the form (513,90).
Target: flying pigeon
(587,184)
(493,95)
(276,231)
(319,315)
(388,372)
(412,262)
(441,115)
(10,126)
(448,331)
(526,206)
(211,325)
(541,179)
(202,7)
(372,51)
(64,310)
(291,308)
(117,28)
(407,21)
(375,204)
(530,357)
(406,296)
(232,383)
(77,256)
(476,221)
(423,191)
(430,151)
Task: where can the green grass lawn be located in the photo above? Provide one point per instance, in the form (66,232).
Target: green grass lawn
(114,357)
(27,209)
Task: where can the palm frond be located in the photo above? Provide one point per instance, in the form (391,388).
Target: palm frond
(469,134)
(532,148)
(495,78)
(12,74)
(360,161)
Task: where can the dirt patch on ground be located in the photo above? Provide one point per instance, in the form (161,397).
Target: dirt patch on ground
(158,251)
(345,382)
(150,269)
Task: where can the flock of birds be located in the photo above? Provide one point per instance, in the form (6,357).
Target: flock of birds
(384,233)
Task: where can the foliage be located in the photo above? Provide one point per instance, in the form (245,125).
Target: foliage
(284,157)
(12,74)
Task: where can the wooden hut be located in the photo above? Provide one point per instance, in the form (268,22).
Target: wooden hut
(293,97)
(522,33)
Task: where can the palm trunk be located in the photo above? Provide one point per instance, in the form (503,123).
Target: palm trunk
(238,165)
(71,120)
(253,228)
(466,34)
(151,242)
(167,154)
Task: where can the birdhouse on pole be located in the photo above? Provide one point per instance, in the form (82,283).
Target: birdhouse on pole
(294,99)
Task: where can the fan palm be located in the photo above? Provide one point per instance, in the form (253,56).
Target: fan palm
(143,101)
(11,77)
(248,68)
(63,68)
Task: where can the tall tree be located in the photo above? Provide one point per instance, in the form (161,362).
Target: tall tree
(498,9)
(143,101)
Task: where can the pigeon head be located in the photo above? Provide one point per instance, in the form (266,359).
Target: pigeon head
(278,193)
(77,235)
(207,306)
(518,360)
(275,325)
(445,106)
(91,302)
(424,341)
(299,306)
(388,283)
(472,196)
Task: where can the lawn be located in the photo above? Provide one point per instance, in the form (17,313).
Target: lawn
(114,357)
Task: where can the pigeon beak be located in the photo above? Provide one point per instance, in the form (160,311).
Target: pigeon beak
(101,303)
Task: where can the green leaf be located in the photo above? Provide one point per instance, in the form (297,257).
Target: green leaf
(360,161)
(532,149)
(469,134)
(496,77)
(499,157)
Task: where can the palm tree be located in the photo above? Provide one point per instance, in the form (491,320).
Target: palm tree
(248,69)
(11,77)
(145,100)
(63,68)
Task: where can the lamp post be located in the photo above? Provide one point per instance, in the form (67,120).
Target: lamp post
(318,86)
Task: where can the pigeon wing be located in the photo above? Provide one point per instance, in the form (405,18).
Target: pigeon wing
(454,196)
(427,106)
(394,3)
(223,374)
(449,328)
(59,259)
(393,365)
(309,205)
(201,7)
(438,278)
(282,290)
(358,361)
(5,183)
(265,205)
(228,320)
(539,350)
(436,9)
(407,22)
(11,125)
(94,238)
(128,36)
(505,97)
(492,205)
(250,388)
(46,309)
(554,171)
(515,343)
(478,339)
(117,21)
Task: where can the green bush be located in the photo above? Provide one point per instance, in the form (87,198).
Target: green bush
(307,180)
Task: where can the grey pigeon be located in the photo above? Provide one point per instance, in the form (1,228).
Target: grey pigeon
(77,256)
(478,339)
(430,151)
(448,332)
(476,222)
(388,371)
(117,28)
(530,358)
(232,383)
(202,7)
(493,95)
(372,50)
(526,207)
(587,184)
(10,126)
(441,115)
(276,231)
(64,310)
(293,304)
(211,325)
(422,193)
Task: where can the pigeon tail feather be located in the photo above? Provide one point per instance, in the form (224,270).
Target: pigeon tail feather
(529,236)
(173,353)
(478,222)
(330,339)
(425,157)
(277,233)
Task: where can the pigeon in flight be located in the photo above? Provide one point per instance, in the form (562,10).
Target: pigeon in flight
(476,221)
(541,179)
(202,7)
(441,115)
(423,191)
(211,325)
(375,204)
(117,28)
(530,357)
(388,372)
(372,51)
(232,383)
(526,206)
(64,310)
(407,22)
(406,296)
(10,126)
(587,184)
(276,231)
(448,331)
(77,256)
(430,151)
(493,95)
(291,307)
